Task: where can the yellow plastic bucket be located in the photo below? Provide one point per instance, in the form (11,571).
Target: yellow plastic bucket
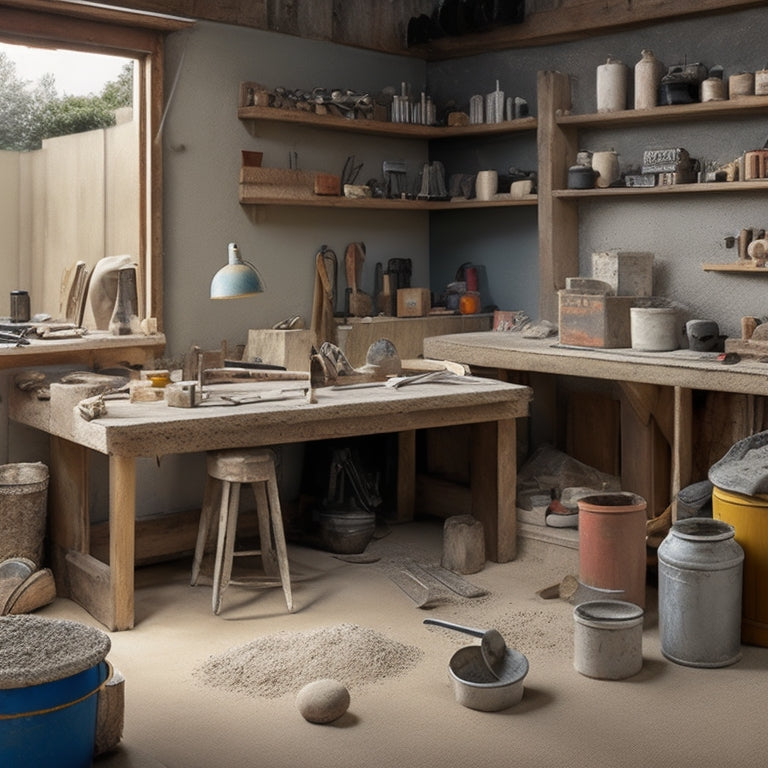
(749,517)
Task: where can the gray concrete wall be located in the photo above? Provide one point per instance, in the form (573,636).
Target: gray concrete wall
(202,140)
(683,232)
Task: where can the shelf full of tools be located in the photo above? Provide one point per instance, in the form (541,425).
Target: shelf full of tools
(722,181)
(293,187)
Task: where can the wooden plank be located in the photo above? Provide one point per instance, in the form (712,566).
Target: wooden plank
(442,498)
(67,507)
(406,476)
(672,113)
(257,114)
(558,219)
(309,20)
(89,581)
(494,486)
(645,460)
(167,536)
(122,517)
(593,431)
(652,401)
(682,456)
(574,20)
(381,26)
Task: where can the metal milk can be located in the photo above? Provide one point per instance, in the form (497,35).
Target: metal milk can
(700,583)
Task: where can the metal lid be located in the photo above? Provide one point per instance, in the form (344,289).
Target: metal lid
(605,612)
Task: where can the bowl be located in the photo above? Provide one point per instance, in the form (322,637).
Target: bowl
(475,686)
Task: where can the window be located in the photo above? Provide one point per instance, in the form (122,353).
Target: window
(136,177)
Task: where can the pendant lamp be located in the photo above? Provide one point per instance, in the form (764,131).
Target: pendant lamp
(237,279)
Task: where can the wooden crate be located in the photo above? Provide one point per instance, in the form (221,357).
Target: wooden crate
(588,320)
(413,302)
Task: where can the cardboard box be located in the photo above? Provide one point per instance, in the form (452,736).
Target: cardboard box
(629,273)
(591,320)
(413,302)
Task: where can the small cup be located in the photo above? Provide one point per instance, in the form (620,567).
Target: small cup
(486,185)
(19,307)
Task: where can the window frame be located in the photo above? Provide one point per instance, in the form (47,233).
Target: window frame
(100,29)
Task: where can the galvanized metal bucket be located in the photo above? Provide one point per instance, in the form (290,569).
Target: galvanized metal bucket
(700,587)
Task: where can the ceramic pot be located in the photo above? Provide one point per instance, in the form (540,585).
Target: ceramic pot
(608,639)
(612,543)
(486,184)
(611,86)
(653,329)
(581,177)
(606,166)
(648,73)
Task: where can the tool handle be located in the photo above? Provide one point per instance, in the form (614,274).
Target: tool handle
(457,627)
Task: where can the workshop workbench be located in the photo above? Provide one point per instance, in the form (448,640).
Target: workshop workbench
(681,370)
(133,430)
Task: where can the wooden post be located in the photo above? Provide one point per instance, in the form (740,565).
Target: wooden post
(681,450)
(493,478)
(558,219)
(122,514)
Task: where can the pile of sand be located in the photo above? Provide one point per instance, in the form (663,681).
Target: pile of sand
(285,662)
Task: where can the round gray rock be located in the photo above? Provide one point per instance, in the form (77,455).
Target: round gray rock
(322,701)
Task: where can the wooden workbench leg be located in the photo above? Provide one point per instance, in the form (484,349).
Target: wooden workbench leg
(67,507)
(406,476)
(493,478)
(122,522)
(682,461)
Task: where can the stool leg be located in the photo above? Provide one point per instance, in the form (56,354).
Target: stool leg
(222,570)
(210,498)
(268,554)
(277,528)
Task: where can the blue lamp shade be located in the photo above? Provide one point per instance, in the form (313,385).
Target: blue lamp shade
(237,279)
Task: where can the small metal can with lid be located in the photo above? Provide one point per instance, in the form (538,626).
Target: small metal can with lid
(19,307)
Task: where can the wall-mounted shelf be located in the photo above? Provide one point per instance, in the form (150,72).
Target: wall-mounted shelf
(287,195)
(725,187)
(709,110)
(558,144)
(383,204)
(380,128)
(747,268)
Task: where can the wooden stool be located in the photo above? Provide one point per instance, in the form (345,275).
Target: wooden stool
(227,470)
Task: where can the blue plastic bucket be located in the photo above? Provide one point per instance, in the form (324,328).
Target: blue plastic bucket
(52,724)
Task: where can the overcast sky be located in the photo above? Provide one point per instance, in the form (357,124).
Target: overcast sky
(76,74)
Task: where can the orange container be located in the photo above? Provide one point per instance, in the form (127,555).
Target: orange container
(749,517)
(612,543)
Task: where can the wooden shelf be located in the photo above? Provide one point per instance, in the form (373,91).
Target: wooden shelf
(709,110)
(383,204)
(379,128)
(725,187)
(95,349)
(746,268)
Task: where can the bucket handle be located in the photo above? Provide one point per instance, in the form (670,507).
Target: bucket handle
(85,696)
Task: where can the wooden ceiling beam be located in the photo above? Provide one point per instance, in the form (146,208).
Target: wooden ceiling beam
(379,26)
(560,21)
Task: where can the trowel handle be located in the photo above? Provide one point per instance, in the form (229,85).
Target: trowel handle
(457,627)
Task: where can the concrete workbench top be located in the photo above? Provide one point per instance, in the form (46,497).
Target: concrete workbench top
(681,367)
